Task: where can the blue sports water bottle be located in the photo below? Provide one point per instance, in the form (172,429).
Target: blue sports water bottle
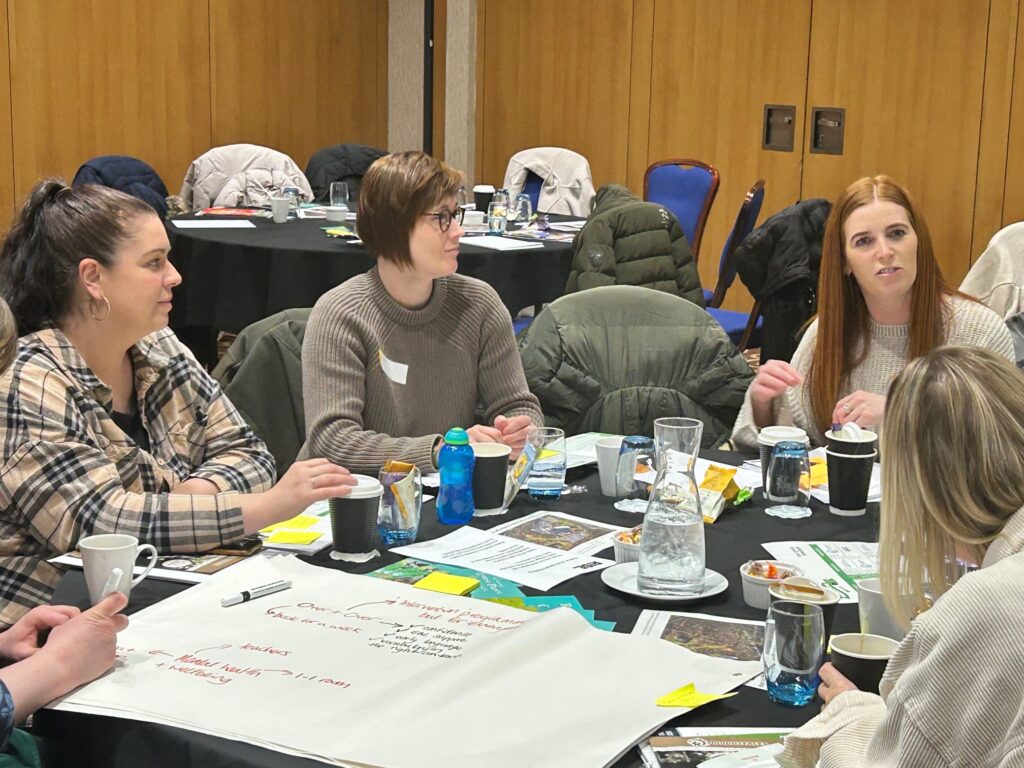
(455,462)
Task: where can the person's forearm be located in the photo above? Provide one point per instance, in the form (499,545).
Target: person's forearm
(196,486)
(763,413)
(35,682)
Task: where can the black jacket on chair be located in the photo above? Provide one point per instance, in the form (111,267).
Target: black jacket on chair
(125,174)
(778,262)
(342,162)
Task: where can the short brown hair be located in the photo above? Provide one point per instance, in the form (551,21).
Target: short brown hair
(397,190)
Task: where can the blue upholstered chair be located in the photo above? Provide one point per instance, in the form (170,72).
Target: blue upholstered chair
(740,326)
(687,188)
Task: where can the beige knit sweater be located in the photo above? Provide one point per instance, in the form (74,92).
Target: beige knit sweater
(968,324)
(384,382)
(952,695)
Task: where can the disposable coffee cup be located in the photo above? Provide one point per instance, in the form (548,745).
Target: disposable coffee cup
(335,212)
(862,658)
(279,209)
(766,440)
(482,196)
(104,552)
(608,463)
(843,442)
(875,618)
(787,589)
(849,477)
(490,472)
(354,517)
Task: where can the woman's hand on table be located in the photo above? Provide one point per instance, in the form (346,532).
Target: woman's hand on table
(22,640)
(832,683)
(866,409)
(304,483)
(773,378)
(513,432)
(478,433)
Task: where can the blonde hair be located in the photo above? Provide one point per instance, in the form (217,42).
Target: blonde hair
(952,472)
(8,336)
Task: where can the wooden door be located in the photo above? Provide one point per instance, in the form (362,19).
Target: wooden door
(714,65)
(910,76)
(554,74)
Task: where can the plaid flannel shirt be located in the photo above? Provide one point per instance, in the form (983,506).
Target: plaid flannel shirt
(69,471)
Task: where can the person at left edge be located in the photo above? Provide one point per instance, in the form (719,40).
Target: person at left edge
(109,424)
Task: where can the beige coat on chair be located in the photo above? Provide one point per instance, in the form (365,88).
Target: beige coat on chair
(241,174)
(567,187)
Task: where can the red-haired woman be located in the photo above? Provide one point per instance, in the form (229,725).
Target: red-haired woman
(882,301)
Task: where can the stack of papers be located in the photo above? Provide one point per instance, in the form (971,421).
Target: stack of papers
(497,243)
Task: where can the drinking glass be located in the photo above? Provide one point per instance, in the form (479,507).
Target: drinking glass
(672,542)
(636,454)
(789,479)
(521,210)
(794,643)
(339,194)
(496,221)
(547,475)
(398,519)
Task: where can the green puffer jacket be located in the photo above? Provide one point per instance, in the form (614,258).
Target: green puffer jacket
(629,242)
(261,373)
(615,359)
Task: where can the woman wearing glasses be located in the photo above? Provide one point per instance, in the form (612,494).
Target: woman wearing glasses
(395,357)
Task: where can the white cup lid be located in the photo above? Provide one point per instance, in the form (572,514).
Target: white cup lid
(483,188)
(773,435)
(366,488)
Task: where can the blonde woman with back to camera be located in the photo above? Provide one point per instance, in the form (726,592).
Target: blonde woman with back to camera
(953,487)
(882,301)
(109,423)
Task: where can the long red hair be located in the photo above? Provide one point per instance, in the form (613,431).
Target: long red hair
(843,315)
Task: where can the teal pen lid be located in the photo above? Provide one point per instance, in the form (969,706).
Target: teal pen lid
(456,436)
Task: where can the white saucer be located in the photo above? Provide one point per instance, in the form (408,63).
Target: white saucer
(622,577)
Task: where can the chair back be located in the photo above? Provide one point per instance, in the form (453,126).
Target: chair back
(687,188)
(341,162)
(745,220)
(532,188)
(125,174)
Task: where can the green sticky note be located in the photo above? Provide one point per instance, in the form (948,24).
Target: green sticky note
(294,537)
(688,696)
(298,523)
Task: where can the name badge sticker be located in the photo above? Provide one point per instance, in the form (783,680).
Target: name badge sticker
(397,372)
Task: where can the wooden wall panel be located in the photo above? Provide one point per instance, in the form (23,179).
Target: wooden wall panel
(300,76)
(7,196)
(715,66)
(995,123)
(554,74)
(1013,201)
(910,76)
(83,86)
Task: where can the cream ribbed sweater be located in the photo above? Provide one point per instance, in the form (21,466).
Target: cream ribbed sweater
(969,324)
(384,382)
(952,695)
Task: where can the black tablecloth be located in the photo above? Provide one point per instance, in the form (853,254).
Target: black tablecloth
(735,538)
(234,277)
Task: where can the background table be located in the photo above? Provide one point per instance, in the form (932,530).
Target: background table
(234,277)
(735,538)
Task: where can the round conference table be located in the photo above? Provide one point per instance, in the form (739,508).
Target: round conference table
(732,540)
(234,277)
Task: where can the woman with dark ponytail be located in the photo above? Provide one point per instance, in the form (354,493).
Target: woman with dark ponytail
(109,425)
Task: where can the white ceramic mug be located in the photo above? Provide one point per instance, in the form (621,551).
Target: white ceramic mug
(279,209)
(104,552)
(875,618)
(607,449)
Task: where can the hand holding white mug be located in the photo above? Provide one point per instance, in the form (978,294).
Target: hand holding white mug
(104,552)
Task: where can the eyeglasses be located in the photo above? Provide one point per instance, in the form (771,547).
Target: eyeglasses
(445,218)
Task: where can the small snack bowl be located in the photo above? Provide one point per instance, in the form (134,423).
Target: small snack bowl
(627,545)
(759,575)
(336,212)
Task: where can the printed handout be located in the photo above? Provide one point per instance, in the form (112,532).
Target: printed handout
(838,565)
(558,530)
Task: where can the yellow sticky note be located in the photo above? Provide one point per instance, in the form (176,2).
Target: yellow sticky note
(689,696)
(294,537)
(295,524)
(819,474)
(438,581)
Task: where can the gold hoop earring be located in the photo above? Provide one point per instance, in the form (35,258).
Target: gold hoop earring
(92,311)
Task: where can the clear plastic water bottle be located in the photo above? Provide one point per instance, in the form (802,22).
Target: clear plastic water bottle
(455,463)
